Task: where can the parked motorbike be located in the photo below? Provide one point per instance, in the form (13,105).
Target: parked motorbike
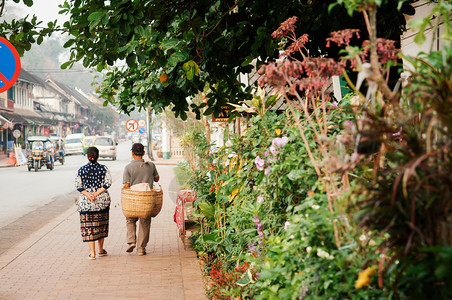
(59,148)
(41,153)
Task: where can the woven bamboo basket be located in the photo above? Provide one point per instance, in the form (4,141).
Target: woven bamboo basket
(141,204)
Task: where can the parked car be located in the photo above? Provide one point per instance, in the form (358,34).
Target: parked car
(87,142)
(106,146)
(73,143)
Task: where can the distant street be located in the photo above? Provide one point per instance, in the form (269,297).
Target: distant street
(24,191)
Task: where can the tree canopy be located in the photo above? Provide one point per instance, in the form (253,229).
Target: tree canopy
(157,53)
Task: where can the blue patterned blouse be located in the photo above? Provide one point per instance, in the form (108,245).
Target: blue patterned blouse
(92,177)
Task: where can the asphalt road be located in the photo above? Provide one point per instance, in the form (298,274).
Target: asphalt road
(30,199)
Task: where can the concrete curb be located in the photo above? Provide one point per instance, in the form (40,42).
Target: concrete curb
(7,166)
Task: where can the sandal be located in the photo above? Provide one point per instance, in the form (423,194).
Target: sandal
(91,257)
(104,253)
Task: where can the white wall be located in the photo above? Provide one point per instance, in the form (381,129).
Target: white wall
(409,47)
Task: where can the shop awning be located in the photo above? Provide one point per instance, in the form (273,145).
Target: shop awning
(3,120)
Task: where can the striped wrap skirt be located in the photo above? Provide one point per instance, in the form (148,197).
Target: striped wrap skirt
(94,224)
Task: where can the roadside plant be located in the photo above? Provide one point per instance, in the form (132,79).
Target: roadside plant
(346,199)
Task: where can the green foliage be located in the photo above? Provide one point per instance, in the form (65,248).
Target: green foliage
(192,43)
(308,237)
(421,280)
(23,33)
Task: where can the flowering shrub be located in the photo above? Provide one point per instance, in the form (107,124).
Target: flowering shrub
(339,201)
(223,282)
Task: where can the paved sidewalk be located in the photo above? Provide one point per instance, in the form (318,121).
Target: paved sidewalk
(52,263)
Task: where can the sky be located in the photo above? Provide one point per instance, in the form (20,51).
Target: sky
(45,10)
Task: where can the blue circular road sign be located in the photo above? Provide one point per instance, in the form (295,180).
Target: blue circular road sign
(142,130)
(9,65)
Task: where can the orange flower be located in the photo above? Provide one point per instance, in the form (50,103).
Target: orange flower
(311,193)
(364,277)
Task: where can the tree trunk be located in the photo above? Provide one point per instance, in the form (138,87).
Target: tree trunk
(207,128)
(149,112)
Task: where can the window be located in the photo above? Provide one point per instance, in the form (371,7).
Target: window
(103,142)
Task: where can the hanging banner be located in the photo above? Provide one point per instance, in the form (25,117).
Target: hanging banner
(20,157)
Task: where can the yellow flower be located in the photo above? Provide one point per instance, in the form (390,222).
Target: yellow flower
(278,131)
(364,277)
(311,193)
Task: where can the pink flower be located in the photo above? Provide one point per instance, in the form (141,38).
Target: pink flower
(342,37)
(260,198)
(267,171)
(274,150)
(260,163)
(280,142)
(285,27)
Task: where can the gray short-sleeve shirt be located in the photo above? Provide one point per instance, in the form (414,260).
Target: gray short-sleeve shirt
(139,171)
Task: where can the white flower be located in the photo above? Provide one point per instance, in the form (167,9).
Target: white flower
(356,100)
(323,254)
(372,243)
(286,225)
(292,236)
(309,249)
(315,206)
(228,143)
(362,238)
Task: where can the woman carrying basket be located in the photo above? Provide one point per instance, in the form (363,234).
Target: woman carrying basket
(92,181)
(136,172)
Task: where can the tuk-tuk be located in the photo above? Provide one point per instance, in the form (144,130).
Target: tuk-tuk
(40,150)
(87,142)
(59,148)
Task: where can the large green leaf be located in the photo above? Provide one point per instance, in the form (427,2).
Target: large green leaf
(177,57)
(96,16)
(28,2)
(169,44)
(207,209)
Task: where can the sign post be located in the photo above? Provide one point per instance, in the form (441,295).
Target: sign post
(9,65)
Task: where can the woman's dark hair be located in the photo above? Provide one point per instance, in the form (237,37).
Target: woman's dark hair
(93,154)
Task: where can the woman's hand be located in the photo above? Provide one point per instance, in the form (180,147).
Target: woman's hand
(91,197)
(97,193)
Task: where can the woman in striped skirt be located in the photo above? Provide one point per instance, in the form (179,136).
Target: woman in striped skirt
(92,181)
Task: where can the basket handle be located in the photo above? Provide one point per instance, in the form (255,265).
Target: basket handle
(159,186)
